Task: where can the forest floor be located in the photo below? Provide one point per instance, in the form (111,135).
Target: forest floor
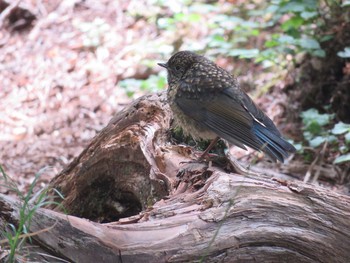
(60,79)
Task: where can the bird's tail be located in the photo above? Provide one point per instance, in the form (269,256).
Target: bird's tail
(272,143)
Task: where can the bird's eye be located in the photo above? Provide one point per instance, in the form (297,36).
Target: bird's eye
(177,68)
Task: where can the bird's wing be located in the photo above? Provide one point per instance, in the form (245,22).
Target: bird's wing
(223,115)
(254,111)
(266,130)
(233,116)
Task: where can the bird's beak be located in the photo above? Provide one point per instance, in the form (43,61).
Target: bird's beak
(164,65)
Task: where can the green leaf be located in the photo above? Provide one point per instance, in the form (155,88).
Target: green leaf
(130,94)
(292,7)
(307,135)
(244,53)
(343,149)
(181,17)
(166,23)
(153,83)
(342,158)
(218,38)
(319,53)
(271,43)
(313,122)
(346,3)
(347,138)
(289,50)
(254,32)
(194,18)
(314,128)
(272,8)
(308,43)
(345,53)
(332,139)
(299,147)
(326,38)
(317,141)
(313,116)
(307,15)
(294,22)
(341,128)
(285,39)
(249,24)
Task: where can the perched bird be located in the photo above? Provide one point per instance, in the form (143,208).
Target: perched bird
(208,103)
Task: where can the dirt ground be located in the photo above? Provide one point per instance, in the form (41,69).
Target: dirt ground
(58,91)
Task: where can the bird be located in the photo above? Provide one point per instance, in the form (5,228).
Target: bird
(208,103)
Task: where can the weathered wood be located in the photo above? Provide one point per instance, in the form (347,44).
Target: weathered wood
(121,172)
(201,214)
(231,219)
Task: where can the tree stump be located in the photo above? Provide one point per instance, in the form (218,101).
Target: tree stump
(150,205)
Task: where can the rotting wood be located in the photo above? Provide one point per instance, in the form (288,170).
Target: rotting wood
(235,219)
(206,214)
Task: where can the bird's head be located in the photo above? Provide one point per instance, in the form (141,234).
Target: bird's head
(179,63)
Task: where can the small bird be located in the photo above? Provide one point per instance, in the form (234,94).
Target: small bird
(208,103)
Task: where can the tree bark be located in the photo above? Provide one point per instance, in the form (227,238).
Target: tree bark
(160,209)
(124,169)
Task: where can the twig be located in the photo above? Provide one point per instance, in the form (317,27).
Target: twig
(318,159)
(311,167)
(4,241)
(5,39)
(239,167)
(4,14)
(322,152)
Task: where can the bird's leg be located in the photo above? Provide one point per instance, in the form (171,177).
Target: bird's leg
(211,145)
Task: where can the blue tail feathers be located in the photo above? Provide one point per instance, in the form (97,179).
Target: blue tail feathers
(272,143)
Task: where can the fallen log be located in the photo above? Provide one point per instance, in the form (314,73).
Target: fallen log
(149,205)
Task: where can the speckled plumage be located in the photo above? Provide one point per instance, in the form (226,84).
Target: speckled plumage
(208,102)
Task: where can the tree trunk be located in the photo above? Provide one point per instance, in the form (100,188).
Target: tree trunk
(160,209)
